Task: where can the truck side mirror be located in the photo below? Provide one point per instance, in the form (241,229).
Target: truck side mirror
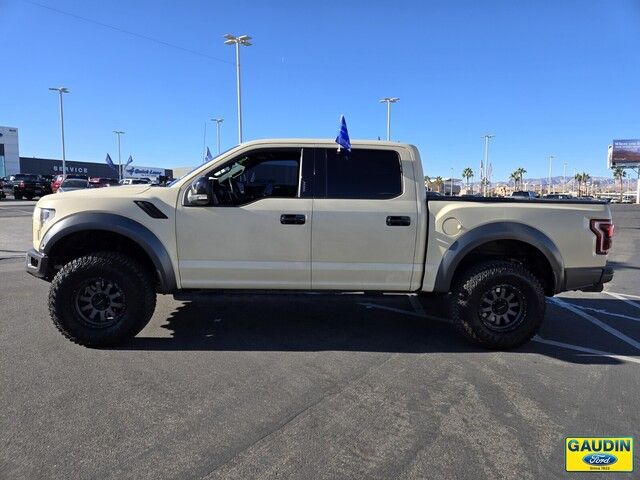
(200,193)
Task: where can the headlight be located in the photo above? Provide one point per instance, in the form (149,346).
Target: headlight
(46,214)
(40,217)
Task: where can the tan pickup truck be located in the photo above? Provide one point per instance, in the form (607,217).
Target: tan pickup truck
(299,215)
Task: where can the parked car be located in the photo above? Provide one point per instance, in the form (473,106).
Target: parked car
(524,194)
(2,180)
(99,182)
(243,222)
(55,184)
(627,200)
(23,185)
(45,181)
(58,179)
(71,184)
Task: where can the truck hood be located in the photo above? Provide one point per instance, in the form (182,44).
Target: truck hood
(121,191)
(90,197)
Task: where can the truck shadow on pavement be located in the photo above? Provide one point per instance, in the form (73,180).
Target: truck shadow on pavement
(622,265)
(299,323)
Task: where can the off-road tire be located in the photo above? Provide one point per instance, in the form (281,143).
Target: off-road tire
(17,196)
(466,301)
(135,282)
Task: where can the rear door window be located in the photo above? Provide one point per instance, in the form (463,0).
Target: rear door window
(359,174)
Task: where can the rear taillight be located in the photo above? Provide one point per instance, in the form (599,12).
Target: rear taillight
(21,184)
(603,229)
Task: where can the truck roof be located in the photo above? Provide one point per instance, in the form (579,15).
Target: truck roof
(327,141)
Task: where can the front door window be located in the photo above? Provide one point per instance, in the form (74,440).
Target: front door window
(257,175)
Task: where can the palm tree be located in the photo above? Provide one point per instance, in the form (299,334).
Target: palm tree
(439,183)
(578,178)
(585,178)
(521,171)
(619,174)
(467,173)
(515,176)
(581,178)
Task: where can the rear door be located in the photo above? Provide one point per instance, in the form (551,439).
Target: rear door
(364,220)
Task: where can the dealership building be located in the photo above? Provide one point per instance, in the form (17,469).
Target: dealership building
(9,155)
(11,163)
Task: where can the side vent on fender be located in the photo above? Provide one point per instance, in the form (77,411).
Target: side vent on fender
(150,209)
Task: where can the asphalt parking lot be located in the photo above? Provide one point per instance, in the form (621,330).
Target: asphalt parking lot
(312,386)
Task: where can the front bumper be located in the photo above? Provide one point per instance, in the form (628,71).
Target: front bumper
(37,264)
(590,279)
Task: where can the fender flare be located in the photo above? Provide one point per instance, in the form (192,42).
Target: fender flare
(124,226)
(498,231)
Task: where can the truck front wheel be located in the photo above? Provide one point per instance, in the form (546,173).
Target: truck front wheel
(498,304)
(101,299)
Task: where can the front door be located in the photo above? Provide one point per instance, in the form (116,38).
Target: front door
(364,221)
(256,234)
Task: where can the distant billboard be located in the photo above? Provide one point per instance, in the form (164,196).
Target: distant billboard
(625,153)
(143,172)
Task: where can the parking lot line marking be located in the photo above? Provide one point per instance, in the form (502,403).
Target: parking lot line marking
(417,306)
(637,297)
(577,348)
(625,300)
(606,312)
(595,321)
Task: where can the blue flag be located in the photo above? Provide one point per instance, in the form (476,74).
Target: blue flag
(110,162)
(343,136)
(208,157)
(129,161)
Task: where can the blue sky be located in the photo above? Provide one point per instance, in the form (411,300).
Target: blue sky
(546,77)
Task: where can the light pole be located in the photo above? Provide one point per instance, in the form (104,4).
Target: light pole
(204,142)
(237,41)
(564,178)
(62,90)
(451,182)
(118,133)
(551,157)
(486,137)
(389,101)
(218,122)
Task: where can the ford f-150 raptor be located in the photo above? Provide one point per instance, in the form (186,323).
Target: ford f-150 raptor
(300,215)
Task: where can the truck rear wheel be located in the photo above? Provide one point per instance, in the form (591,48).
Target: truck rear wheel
(101,299)
(498,305)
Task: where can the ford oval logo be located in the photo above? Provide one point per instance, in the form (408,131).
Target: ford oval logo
(599,459)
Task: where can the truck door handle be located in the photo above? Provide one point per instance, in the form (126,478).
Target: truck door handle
(292,219)
(393,221)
